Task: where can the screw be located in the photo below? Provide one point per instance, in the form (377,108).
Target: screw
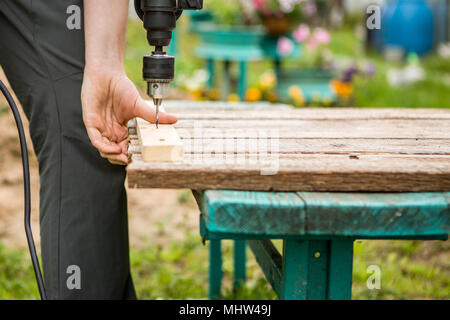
(317,255)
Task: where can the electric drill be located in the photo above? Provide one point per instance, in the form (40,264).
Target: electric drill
(159,17)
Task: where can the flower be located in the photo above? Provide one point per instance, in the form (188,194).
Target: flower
(214,94)
(267,80)
(296,92)
(369,69)
(288,6)
(285,46)
(310,8)
(312,44)
(233,97)
(253,95)
(322,36)
(302,33)
(342,89)
(349,73)
(259,4)
(196,95)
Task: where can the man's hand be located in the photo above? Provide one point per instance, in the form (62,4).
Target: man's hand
(109,101)
(108,97)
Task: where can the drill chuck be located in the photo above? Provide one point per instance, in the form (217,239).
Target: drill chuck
(159,67)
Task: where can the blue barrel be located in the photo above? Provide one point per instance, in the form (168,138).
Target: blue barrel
(408,24)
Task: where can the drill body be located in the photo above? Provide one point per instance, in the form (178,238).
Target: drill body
(159,18)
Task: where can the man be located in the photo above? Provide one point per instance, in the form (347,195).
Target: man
(72,85)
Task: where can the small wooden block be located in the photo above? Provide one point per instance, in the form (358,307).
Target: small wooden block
(159,145)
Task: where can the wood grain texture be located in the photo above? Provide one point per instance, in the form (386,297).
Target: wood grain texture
(276,148)
(160,144)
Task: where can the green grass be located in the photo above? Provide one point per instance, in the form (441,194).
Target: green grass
(433,92)
(16,275)
(376,92)
(409,269)
(179,270)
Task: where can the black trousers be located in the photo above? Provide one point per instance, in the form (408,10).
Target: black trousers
(83,205)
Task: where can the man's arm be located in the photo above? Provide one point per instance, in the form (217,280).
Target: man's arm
(108,97)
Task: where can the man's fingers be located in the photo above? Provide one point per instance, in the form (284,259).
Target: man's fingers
(147,112)
(103,144)
(117,163)
(124,146)
(120,159)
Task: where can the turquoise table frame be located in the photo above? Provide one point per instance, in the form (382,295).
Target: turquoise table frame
(318,231)
(242,54)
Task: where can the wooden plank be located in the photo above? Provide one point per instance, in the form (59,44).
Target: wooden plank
(223,110)
(321,146)
(159,144)
(409,146)
(174,105)
(294,133)
(314,114)
(358,172)
(357,129)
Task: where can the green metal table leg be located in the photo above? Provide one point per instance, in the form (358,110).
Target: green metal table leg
(226,80)
(317,270)
(211,70)
(215,269)
(242,79)
(278,70)
(340,270)
(304,276)
(295,270)
(239,263)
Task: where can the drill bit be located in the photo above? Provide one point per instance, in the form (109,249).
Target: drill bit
(157,103)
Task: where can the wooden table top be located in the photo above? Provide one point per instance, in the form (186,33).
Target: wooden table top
(266,147)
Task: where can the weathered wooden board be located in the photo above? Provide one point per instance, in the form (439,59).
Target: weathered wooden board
(221,110)
(160,144)
(325,146)
(369,129)
(314,114)
(264,147)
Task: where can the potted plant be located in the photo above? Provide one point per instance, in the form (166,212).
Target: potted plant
(308,79)
(280,17)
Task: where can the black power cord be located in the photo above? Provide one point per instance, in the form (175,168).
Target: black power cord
(27,192)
